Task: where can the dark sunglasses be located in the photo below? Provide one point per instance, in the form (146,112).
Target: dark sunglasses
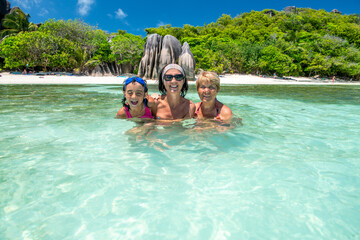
(178,77)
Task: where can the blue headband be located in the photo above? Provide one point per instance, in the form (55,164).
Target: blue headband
(136,79)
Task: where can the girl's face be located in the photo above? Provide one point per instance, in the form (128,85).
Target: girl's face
(207,91)
(173,85)
(134,94)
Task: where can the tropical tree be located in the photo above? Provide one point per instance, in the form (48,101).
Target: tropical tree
(127,49)
(16,22)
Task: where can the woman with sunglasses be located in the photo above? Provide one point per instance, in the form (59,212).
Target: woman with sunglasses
(173,87)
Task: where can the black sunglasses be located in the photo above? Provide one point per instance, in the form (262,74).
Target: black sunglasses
(178,77)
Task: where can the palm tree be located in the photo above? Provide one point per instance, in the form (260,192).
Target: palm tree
(16,22)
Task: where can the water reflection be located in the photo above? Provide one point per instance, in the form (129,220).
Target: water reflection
(186,135)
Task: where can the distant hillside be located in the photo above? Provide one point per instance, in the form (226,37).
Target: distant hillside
(295,41)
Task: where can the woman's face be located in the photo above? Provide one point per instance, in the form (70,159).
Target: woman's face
(134,94)
(171,84)
(207,91)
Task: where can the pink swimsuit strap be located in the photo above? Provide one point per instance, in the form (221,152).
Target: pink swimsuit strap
(217,110)
(147,113)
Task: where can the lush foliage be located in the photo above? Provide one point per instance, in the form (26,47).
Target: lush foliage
(67,46)
(307,43)
(16,22)
(127,49)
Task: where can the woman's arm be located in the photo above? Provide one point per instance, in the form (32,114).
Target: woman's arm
(152,104)
(225,113)
(192,109)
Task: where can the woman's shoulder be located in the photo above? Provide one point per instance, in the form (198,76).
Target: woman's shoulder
(225,112)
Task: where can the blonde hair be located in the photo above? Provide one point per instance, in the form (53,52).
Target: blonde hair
(211,77)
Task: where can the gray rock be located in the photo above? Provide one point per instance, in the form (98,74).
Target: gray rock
(336,11)
(4,9)
(270,12)
(291,9)
(108,69)
(109,39)
(15,8)
(97,71)
(149,64)
(160,51)
(170,51)
(187,62)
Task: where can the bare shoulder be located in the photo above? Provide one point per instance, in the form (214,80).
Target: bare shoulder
(192,109)
(121,113)
(225,113)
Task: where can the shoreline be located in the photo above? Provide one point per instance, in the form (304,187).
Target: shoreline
(228,79)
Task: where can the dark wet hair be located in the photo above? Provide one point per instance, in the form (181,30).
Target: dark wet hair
(162,88)
(133,80)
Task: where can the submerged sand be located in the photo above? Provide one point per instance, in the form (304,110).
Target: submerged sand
(239,79)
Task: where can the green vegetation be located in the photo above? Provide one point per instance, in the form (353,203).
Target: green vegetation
(16,22)
(307,43)
(311,42)
(69,46)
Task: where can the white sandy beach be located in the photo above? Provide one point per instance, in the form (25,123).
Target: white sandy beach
(7,78)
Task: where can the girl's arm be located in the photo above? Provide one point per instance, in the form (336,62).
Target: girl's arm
(121,113)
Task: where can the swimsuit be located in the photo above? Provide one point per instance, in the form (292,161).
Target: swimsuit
(146,115)
(217,111)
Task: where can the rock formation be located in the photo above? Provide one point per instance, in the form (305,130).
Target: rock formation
(149,64)
(4,9)
(160,51)
(108,69)
(291,9)
(336,11)
(270,12)
(170,51)
(187,62)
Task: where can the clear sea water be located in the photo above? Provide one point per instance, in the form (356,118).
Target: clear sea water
(69,170)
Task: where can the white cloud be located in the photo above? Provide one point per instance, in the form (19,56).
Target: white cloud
(84,6)
(161,23)
(25,4)
(43,12)
(120,14)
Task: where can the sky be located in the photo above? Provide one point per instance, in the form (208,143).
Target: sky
(135,16)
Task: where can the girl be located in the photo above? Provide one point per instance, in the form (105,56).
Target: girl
(136,102)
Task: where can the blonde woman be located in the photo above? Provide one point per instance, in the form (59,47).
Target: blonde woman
(208,86)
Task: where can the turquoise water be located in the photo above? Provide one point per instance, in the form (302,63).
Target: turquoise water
(69,170)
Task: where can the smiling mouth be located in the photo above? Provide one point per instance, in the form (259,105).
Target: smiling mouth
(134,103)
(174,87)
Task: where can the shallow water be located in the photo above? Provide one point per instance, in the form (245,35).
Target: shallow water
(69,170)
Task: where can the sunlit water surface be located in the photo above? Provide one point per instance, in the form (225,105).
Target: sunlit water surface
(69,170)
